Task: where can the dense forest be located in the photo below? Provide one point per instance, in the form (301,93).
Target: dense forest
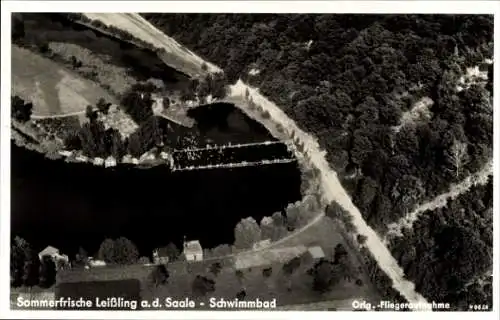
(449,252)
(348,79)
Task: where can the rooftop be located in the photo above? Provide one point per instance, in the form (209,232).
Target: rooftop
(49,250)
(193,246)
(316,252)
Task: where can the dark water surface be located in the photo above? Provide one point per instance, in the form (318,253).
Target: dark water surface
(70,205)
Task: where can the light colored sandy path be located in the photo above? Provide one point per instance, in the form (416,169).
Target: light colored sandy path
(55,116)
(479,178)
(332,189)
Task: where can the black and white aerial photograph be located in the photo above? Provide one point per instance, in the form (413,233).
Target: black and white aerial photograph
(249,161)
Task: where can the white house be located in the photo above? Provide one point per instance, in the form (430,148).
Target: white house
(98,161)
(110,162)
(82,158)
(66,153)
(193,250)
(54,254)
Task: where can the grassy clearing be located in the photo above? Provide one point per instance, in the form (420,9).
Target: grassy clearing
(52,89)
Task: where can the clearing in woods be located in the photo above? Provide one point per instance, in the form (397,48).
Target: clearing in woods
(54,90)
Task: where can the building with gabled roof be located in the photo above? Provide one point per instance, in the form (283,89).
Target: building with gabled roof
(110,162)
(54,254)
(193,250)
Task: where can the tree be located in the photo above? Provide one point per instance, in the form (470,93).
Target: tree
(103,106)
(159,275)
(366,195)
(201,286)
(407,192)
(293,216)
(215,268)
(335,211)
(172,251)
(75,62)
(362,146)
(125,252)
(18,254)
(325,275)
(341,259)
(246,233)
(117,145)
(20,110)
(289,268)
(31,274)
(81,258)
(134,146)
(107,251)
(17,26)
(241,295)
(90,113)
(166,103)
(240,275)
(47,272)
(44,48)
(456,155)
(361,239)
(267,272)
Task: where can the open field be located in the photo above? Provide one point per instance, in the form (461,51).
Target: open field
(52,89)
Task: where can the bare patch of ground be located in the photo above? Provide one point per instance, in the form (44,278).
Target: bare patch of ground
(418,113)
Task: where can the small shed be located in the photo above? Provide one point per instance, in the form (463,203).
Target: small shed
(313,254)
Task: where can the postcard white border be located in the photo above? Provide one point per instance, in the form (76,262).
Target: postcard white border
(485,7)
